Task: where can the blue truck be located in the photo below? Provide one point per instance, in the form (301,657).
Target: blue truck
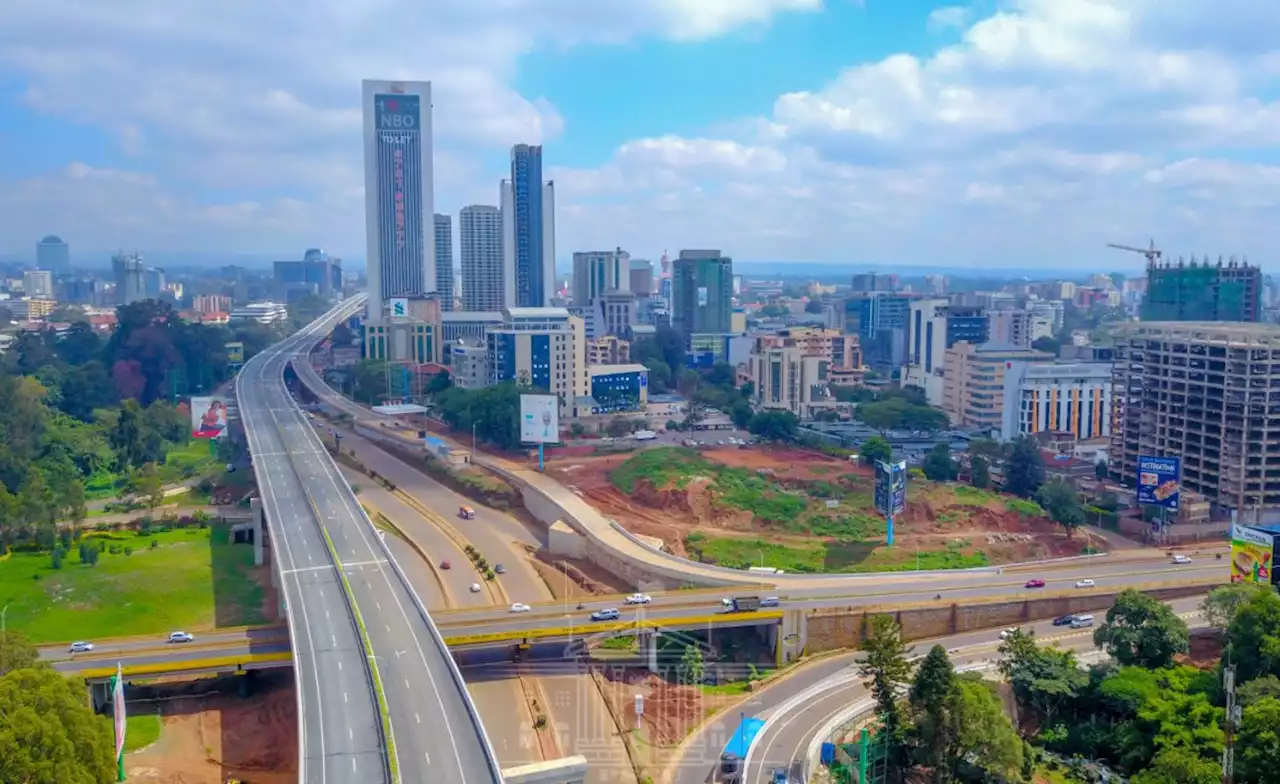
(734,756)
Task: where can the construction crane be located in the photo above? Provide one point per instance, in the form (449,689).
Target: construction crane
(1151,253)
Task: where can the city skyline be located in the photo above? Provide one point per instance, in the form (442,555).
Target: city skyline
(1007,137)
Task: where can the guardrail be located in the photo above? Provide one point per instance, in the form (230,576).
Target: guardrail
(491,756)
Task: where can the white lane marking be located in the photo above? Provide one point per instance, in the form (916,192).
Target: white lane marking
(428,756)
(379,604)
(339,664)
(334,637)
(406,684)
(307,569)
(417,718)
(344,696)
(351,734)
(353,764)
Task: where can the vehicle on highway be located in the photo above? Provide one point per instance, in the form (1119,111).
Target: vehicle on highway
(1081,621)
(780,776)
(1085,583)
(1064,620)
(475,588)
(180,637)
(639,598)
(609,614)
(81,647)
(741,603)
(770,601)
(644,435)
(499,569)
(446,565)
(1182,559)
(520,607)
(1007,633)
(734,755)
(466,513)
(1036,583)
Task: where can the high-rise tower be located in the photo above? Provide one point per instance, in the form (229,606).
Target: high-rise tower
(529,231)
(480,248)
(399,200)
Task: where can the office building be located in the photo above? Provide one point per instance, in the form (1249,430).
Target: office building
(543,348)
(618,312)
(37,283)
(1203,292)
(1057,397)
(1010,328)
(973,383)
(1201,391)
(81,291)
(608,350)
(617,388)
(444,260)
(130,278)
(211,303)
(641,274)
(867,282)
(480,248)
(398,192)
(412,336)
(879,319)
(468,326)
(528,231)
(261,312)
(54,255)
(469,365)
(838,349)
(316,273)
(786,378)
(598,271)
(933,326)
(153,282)
(702,293)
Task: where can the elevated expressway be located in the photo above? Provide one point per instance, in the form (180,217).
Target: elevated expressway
(380,698)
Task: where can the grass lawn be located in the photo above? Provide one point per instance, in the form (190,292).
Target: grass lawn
(730,689)
(194,579)
(181,462)
(821,557)
(141,730)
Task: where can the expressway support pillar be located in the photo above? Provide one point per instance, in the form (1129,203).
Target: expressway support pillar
(100,696)
(255,506)
(649,647)
(792,636)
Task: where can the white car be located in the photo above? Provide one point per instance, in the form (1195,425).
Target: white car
(180,637)
(1182,559)
(1007,633)
(1085,583)
(639,598)
(81,647)
(520,607)
(475,588)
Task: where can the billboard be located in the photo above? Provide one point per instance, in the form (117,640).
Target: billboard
(401,234)
(702,296)
(891,488)
(1158,481)
(208,417)
(539,419)
(398,307)
(235,353)
(1252,555)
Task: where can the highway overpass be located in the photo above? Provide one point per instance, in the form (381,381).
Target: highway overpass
(370,663)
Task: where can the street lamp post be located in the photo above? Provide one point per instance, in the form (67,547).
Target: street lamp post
(474,425)
(761,552)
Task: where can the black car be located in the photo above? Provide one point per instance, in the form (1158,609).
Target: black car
(1064,620)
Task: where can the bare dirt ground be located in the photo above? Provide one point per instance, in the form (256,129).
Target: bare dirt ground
(585,578)
(1206,650)
(209,738)
(935,514)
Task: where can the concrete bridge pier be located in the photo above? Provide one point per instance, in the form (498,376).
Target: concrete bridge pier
(566,770)
(100,696)
(255,506)
(649,648)
(791,637)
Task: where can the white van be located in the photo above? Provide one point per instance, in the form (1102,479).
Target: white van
(1082,621)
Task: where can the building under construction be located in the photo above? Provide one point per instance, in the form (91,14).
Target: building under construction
(1210,394)
(1202,291)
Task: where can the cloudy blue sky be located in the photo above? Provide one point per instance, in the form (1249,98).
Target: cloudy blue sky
(1000,133)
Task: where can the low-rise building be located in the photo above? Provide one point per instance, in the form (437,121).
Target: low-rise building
(608,350)
(614,388)
(261,312)
(973,384)
(786,378)
(1069,397)
(543,348)
(469,365)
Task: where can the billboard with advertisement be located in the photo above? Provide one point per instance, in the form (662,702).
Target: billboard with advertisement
(1252,555)
(1158,481)
(891,488)
(235,353)
(539,419)
(702,296)
(208,417)
(401,234)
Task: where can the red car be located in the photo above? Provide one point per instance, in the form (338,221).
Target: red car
(1035,584)
(446,565)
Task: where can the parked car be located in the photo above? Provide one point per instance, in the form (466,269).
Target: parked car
(639,598)
(499,569)
(180,637)
(520,607)
(81,647)
(1085,583)
(475,588)
(610,614)
(1064,620)
(446,565)
(1036,583)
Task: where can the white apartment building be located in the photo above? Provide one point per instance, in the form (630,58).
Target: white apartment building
(973,388)
(37,283)
(1010,328)
(261,312)
(787,378)
(608,350)
(480,250)
(469,365)
(1069,397)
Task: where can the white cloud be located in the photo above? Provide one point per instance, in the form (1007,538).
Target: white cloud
(948,17)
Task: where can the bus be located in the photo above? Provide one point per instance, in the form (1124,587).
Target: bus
(734,757)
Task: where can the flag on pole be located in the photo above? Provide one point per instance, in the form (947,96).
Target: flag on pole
(117,709)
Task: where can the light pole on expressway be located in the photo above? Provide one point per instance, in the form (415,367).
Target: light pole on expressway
(761,552)
(474,425)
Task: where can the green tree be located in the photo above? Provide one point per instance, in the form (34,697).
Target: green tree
(1100,470)
(984,737)
(979,472)
(129,437)
(1180,766)
(741,414)
(1043,679)
(16,653)
(1258,745)
(1253,637)
(876,450)
(691,668)
(48,732)
(659,374)
(1258,689)
(1143,631)
(1062,502)
(938,464)
(884,663)
(1220,606)
(1024,468)
(774,425)
(931,697)
(342,336)
(1051,345)
(438,383)
(147,485)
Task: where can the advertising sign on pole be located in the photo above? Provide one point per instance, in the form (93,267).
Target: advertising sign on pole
(1158,481)
(1252,555)
(891,488)
(208,417)
(539,419)
(235,353)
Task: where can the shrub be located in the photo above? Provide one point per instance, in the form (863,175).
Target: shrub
(128,550)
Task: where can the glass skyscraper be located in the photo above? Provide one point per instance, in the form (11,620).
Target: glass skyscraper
(528,207)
